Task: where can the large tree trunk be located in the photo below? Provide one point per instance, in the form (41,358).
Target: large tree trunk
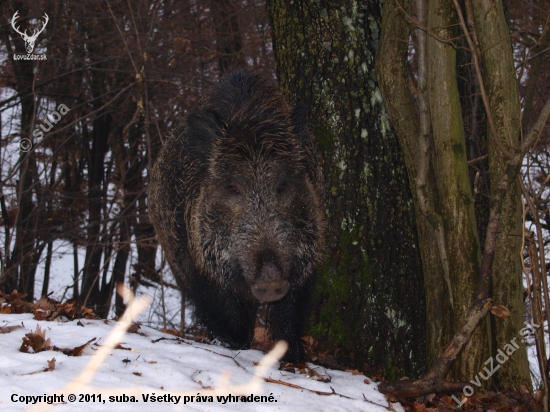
(96,150)
(91,293)
(453,182)
(393,74)
(370,293)
(502,92)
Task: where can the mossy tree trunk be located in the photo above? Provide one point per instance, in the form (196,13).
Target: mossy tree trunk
(393,75)
(456,204)
(370,294)
(453,199)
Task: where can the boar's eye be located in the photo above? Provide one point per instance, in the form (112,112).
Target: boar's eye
(283,187)
(232,188)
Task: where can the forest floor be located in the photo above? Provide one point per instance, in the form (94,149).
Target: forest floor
(39,357)
(45,346)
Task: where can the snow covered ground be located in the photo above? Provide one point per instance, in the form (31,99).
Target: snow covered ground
(178,366)
(151,363)
(165,303)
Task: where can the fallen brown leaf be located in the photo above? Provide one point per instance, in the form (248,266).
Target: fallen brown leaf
(40,315)
(500,311)
(134,327)
(430,397)
(43,308)
(119,346)
(309,342)
(18,306)
(446,404)
(51,365)
(419,407)
(46,308)
(8,329)
(77,351)
(170,332)
(14,295)
(36,341)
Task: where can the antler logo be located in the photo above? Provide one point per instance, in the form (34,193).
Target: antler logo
(29,40)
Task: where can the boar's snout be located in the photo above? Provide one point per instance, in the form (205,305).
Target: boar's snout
(270,292)
(270,286)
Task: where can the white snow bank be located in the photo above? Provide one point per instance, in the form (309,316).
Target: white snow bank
(168,365)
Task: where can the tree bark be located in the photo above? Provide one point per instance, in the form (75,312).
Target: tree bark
(453,184)
(47,266)
(453,194)
(19,270)
(370,296)
(228,36)
(501,85)
(393,75)
(94,250)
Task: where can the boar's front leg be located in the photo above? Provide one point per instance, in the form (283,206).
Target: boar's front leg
(225,315)
(287,320)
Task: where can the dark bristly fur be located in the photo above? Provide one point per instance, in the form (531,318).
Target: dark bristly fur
(236,201)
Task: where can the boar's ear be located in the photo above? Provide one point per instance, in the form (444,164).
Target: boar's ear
(203,127)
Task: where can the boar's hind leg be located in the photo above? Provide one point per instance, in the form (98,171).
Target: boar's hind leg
(227,318)
(287,320)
